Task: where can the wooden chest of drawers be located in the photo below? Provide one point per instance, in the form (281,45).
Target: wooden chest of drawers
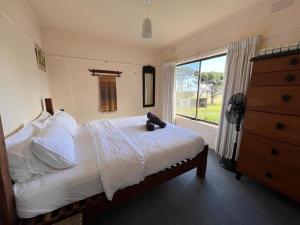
(270,145)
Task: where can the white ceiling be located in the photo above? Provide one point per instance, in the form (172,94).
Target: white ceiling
(121,20)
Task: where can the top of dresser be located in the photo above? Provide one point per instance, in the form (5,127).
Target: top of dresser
(286,61)
(261,57)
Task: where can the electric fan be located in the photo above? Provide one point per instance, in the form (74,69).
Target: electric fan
(234,115)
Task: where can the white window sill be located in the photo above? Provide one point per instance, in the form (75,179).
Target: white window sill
(196,121)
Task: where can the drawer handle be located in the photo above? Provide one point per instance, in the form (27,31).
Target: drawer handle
(274,151)
(290,78)
(294,61)
(285,98)
(279,126)
(269,175)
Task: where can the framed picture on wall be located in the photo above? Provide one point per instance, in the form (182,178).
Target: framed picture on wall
(40,58)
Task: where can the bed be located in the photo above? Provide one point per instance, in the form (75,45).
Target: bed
(43,200)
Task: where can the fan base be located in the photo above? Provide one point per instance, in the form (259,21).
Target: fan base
(228,164)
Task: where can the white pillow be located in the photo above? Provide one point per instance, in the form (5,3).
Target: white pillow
(19,171)
(41,120)
(54,146)
(23,165)
(66,121)
(21,135)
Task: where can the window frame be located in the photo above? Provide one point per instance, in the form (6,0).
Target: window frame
(193,61)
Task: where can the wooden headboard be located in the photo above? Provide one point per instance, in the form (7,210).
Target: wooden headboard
(8,212)
(49,105)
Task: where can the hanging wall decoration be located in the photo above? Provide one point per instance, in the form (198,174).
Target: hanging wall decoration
(107,89)
(40,58)
(108,93)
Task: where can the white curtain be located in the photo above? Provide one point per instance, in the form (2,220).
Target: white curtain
(237,77)
(168,92)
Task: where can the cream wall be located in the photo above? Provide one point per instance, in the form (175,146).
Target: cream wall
(278,28)
(22,84)
(70,55)
(208,131)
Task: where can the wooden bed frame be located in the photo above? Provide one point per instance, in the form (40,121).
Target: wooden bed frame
(91,206)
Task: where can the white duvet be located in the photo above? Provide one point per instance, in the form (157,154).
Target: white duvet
(124,161)
(120,162)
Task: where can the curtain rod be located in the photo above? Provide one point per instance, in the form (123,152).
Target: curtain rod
(104,72)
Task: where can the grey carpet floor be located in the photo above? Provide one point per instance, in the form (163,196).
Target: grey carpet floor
(219,199)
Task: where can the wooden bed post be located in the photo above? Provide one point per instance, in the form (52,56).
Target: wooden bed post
(201,168)
(49,106)
(8,213)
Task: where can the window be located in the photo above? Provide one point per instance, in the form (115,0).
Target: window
(199,88)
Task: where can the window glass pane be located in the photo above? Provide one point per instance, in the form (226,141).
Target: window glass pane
(211,89)
(186,89)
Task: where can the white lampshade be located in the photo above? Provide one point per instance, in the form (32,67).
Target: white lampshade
(147,28)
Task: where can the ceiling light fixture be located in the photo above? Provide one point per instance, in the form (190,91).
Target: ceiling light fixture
(147,26)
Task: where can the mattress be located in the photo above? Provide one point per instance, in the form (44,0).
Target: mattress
(162,148)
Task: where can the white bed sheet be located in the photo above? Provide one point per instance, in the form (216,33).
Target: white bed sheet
(162,148)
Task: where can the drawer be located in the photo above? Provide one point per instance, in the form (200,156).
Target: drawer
(276,78)
(280,127)
(273,177)
(282,155)
(278,99)
(290,62)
